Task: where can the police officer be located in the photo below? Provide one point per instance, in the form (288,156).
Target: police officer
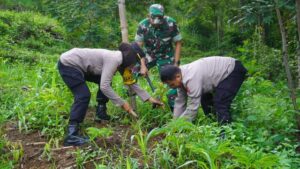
(212,82)
(157,33)
(79,65)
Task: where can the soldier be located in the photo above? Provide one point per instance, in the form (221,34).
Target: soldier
(157,33)
(212,81)
(78,65)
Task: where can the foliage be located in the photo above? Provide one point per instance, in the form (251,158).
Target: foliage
(95,132)
(33,94)
(93,23)
(11,153)
(187,141)
(83,157)
(260,59)
(28,36)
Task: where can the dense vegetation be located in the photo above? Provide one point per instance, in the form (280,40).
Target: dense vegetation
(33,97)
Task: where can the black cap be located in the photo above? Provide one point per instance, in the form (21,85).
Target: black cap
(129,55)
(138,49)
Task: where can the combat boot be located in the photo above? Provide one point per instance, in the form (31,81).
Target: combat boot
(101,113)
(73,138)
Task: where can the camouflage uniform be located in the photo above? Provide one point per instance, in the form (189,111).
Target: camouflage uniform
(158,45)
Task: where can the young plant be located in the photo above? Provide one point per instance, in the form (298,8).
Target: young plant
(142,142)
(94,133)
(88,156)
(16,150)
(210,153)
(254,159)
(47,151)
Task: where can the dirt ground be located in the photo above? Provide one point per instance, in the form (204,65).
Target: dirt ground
(34,142)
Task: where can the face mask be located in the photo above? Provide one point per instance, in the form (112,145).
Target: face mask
(157,20)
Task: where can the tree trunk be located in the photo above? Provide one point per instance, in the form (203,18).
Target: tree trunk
(298,53)
(124,31)
(298,48)
(287,69)
(218,30)
(216,20)
(123,21)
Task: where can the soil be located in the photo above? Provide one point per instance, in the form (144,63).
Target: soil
(33,144)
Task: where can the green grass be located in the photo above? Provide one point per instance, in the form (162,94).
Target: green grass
(33,95)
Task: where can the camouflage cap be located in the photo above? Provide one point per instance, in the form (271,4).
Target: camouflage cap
(156,9)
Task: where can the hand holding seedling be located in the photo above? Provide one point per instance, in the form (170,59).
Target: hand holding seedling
(128,109)
(155,101)
(133,113)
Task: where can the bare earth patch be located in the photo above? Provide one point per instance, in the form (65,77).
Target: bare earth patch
(33,144)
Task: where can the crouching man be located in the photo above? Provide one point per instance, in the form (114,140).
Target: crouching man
(79,65)
(212,81)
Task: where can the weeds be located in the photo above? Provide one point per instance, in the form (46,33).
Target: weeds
(83,157)
(33,94)
(94,133)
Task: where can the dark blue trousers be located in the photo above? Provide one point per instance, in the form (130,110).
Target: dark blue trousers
(219,102)
(76,82)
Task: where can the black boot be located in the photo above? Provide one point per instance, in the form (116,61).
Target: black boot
(101,113)
(73,138)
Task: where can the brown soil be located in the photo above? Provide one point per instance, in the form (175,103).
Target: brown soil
(63,157)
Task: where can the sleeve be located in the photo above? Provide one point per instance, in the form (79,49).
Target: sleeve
(140,92)
(139,36)
(193,100)
(192,108)
(175,33)
(129,80)
(108,71)
(180,103)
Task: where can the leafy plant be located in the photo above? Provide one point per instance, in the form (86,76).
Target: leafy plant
(84,156)
(95,132)
(255,159)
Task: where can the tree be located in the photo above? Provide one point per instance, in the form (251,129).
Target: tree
(124,31)
(286,65)
(298,48)
(123,21)
(298,56)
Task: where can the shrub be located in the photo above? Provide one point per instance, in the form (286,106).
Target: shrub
(28,36)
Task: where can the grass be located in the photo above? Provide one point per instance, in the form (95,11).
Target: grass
(38,100)
(35,98)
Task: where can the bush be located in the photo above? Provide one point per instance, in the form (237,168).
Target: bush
(28,36)
(260,59)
